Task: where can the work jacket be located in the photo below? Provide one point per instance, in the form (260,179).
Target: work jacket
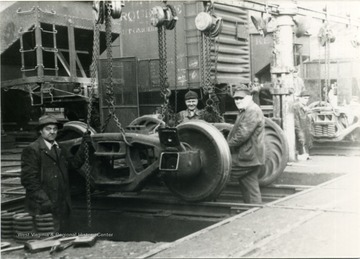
(185,116)
(44,174)
(302,128)
(246,139)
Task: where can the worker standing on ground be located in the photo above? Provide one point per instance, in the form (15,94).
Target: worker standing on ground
(299,85)
(247,145)
(44,174)
(255,90)
(192,112)
(302,126)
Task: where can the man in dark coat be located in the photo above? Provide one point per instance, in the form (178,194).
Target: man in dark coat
(255,91)
(44,174)
(302,126)
(247,145)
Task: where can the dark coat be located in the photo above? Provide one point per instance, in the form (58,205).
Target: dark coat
(246,139)
(184,116)
(302,128)
(45,178)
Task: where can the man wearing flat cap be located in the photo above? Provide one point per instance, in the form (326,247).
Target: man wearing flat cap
(247,145)
(302,126)
(44,174)
(192,112)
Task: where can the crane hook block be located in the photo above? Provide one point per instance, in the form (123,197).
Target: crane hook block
(163,16)
(209,24)
(101,9)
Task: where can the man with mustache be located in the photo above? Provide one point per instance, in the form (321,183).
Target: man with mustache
(44,174)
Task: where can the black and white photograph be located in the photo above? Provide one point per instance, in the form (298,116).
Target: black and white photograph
(180,129)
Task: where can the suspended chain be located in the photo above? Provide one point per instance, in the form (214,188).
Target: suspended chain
(211,113)
(93,74)
(176,76)
(208,81)
(164,84)
(202,60)
(110,85)
(327,68)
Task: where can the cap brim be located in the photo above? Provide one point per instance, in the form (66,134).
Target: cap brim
(40,126)
(240,94)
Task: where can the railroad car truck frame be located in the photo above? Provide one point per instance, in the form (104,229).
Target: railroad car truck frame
(192,158)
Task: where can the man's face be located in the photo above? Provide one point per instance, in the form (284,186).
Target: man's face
(49,132)
(242,102)
(304,100)
(191,104)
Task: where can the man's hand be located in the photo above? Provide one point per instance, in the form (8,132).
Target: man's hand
(46,207)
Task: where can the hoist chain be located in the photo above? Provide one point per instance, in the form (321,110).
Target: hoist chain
(208,64)
(211,113)
(165,91)
(110,85)
(176,76)
(93,74)
(202,60)
(327,68)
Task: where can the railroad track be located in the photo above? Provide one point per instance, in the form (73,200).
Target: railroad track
(156,214)
(159,200)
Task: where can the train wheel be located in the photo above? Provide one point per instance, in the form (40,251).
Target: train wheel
(69,139)
(276,147)
(277,153)
(215,160)
(69,136)
(148,123)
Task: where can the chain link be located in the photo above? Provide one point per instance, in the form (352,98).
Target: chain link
(165,91)
(110,85)
(93,74)
(176,76)
(208,43)
(327,68)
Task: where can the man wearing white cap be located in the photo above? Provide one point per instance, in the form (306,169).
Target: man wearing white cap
(247,145)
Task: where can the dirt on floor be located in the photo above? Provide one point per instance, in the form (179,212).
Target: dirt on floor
(101,249)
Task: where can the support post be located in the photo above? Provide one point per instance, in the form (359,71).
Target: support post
(38,44)
(72,49)
(282,69)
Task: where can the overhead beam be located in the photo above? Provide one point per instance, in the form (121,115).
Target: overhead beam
(259,6)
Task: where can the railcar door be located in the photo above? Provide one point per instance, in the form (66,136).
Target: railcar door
(125,92)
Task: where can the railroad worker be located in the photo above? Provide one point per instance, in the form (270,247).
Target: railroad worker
(247,145)
(44,174)
(192,112)
(299,85)
(332,96)
(302,126)
(255,90)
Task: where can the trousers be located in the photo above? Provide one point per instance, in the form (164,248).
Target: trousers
(249,183)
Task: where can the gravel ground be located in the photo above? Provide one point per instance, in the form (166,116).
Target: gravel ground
(102,249)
